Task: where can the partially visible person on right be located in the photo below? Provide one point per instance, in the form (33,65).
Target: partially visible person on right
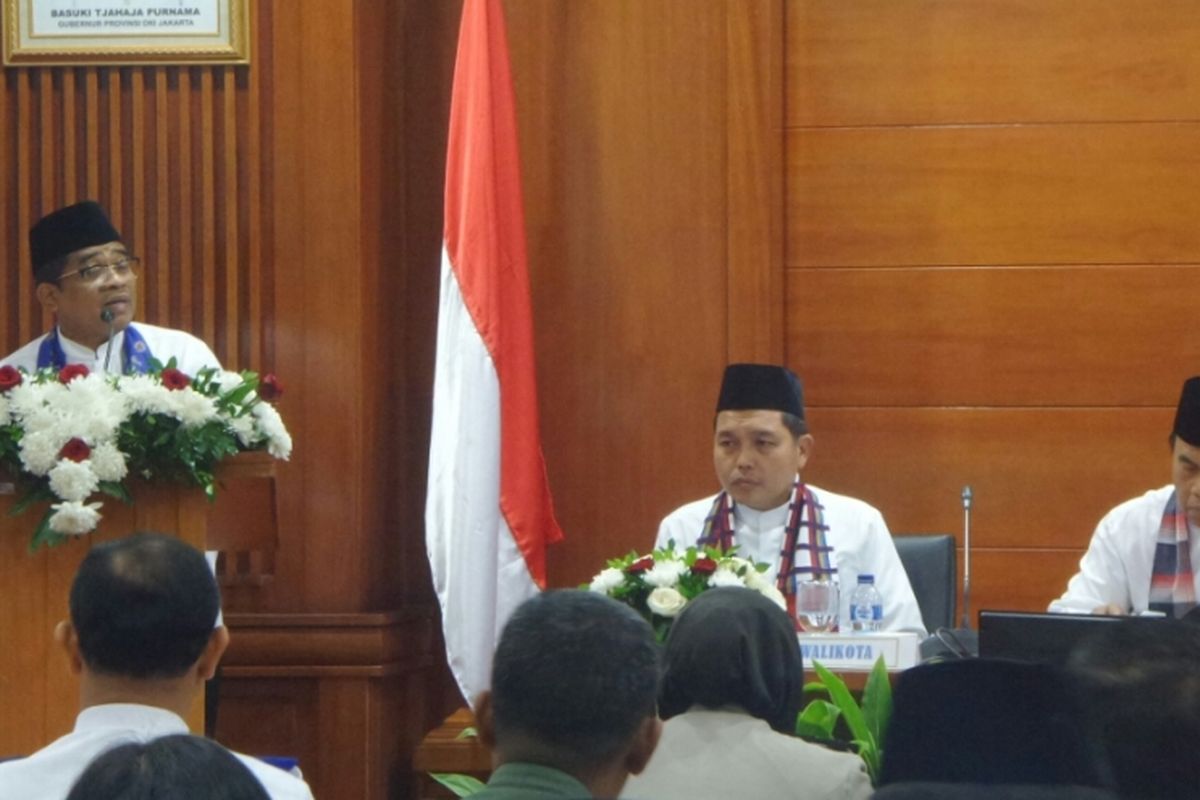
(1141,680)
(732,687)
(1141,555)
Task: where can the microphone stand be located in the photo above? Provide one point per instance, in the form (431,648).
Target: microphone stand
(107,316)
(966,609)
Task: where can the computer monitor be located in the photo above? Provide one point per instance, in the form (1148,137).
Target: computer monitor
(1041,638)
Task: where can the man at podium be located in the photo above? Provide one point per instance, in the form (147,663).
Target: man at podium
(761,444)
(1141,555)
(87,278)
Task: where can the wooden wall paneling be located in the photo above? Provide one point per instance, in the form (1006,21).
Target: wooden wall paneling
(1111,193)
(755,191)
(1061,336)
(1023,464)
(1017,579)
(622,111)
(939,62)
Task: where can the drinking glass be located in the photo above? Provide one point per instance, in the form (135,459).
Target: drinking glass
(817,606)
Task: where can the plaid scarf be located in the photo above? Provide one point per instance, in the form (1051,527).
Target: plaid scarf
(1172,586)
(800,556)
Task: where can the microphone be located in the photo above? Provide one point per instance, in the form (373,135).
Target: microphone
(967,497)
(107,316)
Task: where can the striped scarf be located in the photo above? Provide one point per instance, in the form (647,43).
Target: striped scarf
(1172,586)
(800,556)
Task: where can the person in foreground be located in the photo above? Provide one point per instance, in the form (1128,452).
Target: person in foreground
(141,637)
(1141,555)
(732,687)
(171,766)
(571,711)
(87,278)
(761,445)
(1141,680)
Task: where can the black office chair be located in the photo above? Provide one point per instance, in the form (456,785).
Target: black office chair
(982,791)
(932,570)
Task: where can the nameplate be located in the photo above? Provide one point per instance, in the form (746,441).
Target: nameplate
(859,651)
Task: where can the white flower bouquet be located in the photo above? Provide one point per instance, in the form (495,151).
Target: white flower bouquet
(67,435)
(660,584)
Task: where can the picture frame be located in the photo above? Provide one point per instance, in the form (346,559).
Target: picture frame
(125,32)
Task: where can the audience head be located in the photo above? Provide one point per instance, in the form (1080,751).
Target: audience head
(1142,681)
(990,721)
(171,766)
(733,646)
(143,607)
(574,682)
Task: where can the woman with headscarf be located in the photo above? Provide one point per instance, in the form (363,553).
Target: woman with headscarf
(731,691)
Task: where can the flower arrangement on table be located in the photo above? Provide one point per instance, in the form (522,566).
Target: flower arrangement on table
(69,434)
(659,585)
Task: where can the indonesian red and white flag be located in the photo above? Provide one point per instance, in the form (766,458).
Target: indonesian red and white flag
(488,513)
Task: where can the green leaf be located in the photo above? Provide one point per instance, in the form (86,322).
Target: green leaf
(817,719)
(461,785)
(877,702)
(845,701)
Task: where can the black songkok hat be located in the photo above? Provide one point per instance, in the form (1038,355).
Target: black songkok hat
(1187,416)
(66,230)
(755,387)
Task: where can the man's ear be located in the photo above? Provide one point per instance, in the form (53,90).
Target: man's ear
(485,720)
(68,640)
(206,665)
(804,450)
(47,295)
(642,747)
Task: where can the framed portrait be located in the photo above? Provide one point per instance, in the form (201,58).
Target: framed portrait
(77,32)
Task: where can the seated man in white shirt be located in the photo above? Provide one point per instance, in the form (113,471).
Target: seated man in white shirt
(760,445)
(1141,554)
(87,278)
(142,639)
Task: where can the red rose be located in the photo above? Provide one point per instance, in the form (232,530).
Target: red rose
(269,388)
(704,566)
(175,380)
(641,565)
(75,450)
(9,377)
(72,371)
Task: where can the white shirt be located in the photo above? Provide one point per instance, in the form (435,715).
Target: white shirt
(50,773)
(1119,560)
(190,353)
(726,754)
(857,533)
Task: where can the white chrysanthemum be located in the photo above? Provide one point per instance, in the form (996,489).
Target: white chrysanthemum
(243,428)
(724,577)
(145,394)
(39,451)
(607,580)
(665,573)
(108,462)
(666,602)
(4,409)
(228,381)
(279,441)
(74,518)
(72,480)
(774,595)
(192,408)
(756,580)
(91,408)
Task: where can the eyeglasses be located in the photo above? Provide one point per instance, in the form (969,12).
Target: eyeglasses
(94,273)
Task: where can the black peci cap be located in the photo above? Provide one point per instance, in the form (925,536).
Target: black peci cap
(66,230)
(761,386)
(1187,415)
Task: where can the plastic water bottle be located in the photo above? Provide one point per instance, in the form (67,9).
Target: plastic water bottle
(866,606)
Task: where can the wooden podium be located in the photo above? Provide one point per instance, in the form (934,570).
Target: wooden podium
(38,694)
